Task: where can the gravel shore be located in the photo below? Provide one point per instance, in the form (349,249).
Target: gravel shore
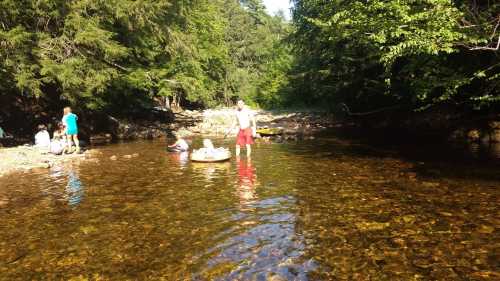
(26,158)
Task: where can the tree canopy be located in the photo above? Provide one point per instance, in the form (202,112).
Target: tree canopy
(123,53)
(120,55)
(416,53)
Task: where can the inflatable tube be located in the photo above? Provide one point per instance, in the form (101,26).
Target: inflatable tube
(270,131)
(201,159)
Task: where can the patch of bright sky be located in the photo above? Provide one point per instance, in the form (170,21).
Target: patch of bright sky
(274,6)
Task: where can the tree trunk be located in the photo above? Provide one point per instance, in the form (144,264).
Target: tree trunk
(167,102)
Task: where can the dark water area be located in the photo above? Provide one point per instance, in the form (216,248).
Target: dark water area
(325,209)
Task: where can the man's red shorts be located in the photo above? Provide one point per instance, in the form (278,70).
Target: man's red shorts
(244,137)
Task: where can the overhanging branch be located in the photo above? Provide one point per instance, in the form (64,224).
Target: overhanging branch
(496,48)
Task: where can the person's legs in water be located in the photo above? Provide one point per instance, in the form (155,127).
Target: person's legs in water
(249,150)
(77,143)
(244,138)
(248,139)
(69,145)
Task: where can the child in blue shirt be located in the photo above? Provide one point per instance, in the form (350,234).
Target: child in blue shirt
(70,122)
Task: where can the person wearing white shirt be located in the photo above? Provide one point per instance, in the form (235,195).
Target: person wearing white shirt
(180,145)
(245,120)
(42,138)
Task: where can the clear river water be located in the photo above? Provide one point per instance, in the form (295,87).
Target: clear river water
(324,209)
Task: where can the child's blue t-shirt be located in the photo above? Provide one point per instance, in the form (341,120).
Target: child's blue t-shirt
(70,121)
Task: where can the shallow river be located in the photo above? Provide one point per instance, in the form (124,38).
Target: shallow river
(327,209)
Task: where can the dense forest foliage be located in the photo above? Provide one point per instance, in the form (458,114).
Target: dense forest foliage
(119,55)
(416,54)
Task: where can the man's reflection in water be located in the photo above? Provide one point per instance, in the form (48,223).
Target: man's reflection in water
(246,181)
(74,189)
(263,241)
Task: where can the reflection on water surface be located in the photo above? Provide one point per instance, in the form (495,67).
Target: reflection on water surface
(322,210)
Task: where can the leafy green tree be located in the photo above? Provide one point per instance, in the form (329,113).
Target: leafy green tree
(123,55)
(413,53)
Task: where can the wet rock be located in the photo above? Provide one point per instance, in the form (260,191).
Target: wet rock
(92,152)
(276,278)
(495,136)
(42,166)
(473,135)
(101,139)
(430,184)
(495,125)
(486,229)
(183,132)
(412,175)
(458,135)
(369,226)
(142,130)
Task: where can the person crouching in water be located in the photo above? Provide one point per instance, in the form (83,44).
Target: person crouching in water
(58,143)
(70,122)
(180,145)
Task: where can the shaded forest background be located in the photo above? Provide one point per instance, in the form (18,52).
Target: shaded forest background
(125,57)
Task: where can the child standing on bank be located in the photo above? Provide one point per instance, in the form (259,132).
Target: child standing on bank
(70,122)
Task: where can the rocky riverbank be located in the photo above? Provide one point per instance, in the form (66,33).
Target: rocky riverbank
(283,124)
(28,158)
(213,123)
(216,123)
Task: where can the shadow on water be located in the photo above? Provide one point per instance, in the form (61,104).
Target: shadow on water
(441,160)
(328,209)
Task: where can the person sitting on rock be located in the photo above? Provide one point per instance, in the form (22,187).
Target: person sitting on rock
(42,138)
(58,144)
(60,132)
(180,145)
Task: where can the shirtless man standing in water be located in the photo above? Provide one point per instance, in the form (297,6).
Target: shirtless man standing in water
(248,126)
